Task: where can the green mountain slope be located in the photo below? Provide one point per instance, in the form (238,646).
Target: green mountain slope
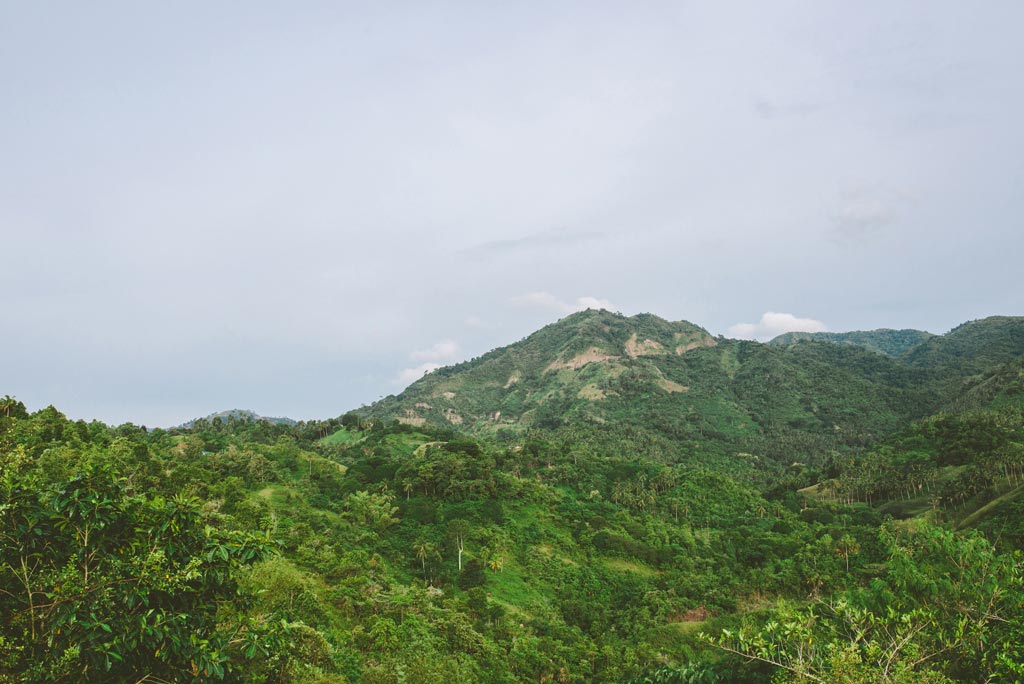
(571,367)
(884,340)
(1001,387)
(659,387)
(973,347)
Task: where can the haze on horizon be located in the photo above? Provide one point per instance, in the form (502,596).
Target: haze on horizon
(299,209)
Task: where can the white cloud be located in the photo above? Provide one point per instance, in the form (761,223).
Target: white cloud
(772,324)
(440,353)
(548,301)
(445,350)
(411,375)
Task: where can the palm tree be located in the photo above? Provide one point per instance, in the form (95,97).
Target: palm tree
(423,550)
(8,404)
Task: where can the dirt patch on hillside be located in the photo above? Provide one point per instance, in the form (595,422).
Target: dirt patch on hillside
(423,405)
(688,341)
(452,417)
(698,614)
(645,348)
(690,344)
(421,450)
(592,355)
(591,392)
(513,379)
(412,418)
(446,395)
(669,386)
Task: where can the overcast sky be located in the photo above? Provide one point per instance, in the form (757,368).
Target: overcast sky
(299,207)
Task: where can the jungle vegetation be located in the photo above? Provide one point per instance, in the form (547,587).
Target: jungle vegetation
(609,500)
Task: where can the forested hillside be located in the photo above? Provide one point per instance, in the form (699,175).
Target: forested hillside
(610,500)
(885,341)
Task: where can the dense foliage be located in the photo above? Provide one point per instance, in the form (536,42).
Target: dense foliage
(884,341)
(810,513)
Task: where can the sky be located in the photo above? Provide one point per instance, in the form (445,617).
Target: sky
(298,208)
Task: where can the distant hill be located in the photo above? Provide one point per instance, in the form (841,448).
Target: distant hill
(890,342)
(240,414)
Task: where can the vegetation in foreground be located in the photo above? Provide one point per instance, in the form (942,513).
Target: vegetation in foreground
(570,550)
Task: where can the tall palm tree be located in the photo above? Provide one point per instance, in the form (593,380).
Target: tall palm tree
(423,551)
(8,404)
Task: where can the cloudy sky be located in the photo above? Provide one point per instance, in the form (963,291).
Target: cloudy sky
(299,207)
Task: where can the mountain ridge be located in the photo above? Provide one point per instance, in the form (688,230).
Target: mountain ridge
(687,393)
(886,341)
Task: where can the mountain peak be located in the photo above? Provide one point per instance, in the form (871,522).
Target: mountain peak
(576,361)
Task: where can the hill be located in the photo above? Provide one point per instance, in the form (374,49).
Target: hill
(1001,387)
(892,343)
(670,389)
(239,414)
(973,347)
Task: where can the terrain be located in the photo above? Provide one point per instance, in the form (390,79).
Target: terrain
(239,414)
(611,499)
(885,341)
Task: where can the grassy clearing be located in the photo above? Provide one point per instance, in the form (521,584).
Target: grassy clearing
(342,436)
(510,588)
(406,443)
(547,550)
(687,627)
(990,508)
(623,565)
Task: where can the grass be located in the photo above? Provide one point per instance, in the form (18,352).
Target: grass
(406,443)
(910,508)
(622,565)
(990,508)
(548,551)
(342,436)
(509,588)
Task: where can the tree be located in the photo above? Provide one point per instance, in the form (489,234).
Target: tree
(11,407)
(847,546)
(423,551)
(946,609)
(101,586)
(457,531)
(375,510)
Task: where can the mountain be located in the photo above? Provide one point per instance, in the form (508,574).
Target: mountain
(886,341)
(672,388)
(239,414)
